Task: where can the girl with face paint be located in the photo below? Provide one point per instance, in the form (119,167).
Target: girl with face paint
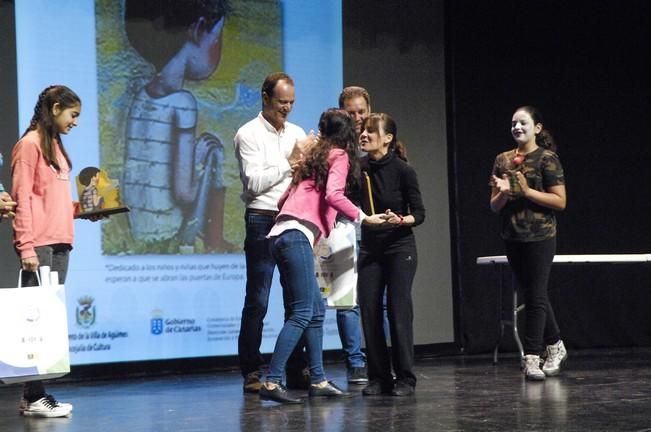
(527,187)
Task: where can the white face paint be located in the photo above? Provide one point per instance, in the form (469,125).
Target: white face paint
(523,128)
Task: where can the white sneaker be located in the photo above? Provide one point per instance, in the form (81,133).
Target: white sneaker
(556,354)
(532,369)
(23,403)
(45,407)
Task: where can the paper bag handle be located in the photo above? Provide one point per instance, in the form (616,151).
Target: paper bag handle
(20,278)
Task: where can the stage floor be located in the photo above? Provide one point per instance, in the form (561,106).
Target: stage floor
(603,390)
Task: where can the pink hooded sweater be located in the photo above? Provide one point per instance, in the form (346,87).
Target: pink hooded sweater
(45,210)
(320,208)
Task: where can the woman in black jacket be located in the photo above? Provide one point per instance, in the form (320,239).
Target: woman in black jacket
(388,258)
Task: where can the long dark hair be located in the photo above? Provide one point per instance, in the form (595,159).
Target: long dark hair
(384,122)
(544,139)
(43,121)
(336,130)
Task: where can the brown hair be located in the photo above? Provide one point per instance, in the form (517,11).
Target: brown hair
(351,92)
(336,130)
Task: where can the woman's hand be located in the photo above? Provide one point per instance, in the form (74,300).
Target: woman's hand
(29,264)
(392,218)
(522,181)
(375,219)
(500,192)
(502,184)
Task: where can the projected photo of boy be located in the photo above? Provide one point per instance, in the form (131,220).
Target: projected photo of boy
(175,168)
(184,43)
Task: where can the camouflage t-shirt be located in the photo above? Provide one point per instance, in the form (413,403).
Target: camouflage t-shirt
(523,220)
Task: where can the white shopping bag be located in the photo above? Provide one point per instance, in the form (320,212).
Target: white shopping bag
(34,336)
(335,263)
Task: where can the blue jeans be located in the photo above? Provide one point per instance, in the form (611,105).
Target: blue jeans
(304,306)
(349,325)
(259,272)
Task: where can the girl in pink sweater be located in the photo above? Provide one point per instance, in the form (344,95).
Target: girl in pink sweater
(307,211)
(43,226)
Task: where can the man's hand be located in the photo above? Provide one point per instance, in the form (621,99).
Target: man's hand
(301,148)
(7,206)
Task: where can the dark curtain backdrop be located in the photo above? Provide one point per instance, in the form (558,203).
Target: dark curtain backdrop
(585,64)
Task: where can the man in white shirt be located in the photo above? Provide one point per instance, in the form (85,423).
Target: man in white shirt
(267,148)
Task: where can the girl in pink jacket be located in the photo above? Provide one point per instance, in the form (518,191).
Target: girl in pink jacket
(307,211)
(43,226)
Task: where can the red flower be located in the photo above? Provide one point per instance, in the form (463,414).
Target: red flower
(518,159)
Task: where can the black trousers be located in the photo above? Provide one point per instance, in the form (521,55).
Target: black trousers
(56,257)
(393,273)
(531,263)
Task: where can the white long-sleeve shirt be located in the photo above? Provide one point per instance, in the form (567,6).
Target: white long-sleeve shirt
(262,153)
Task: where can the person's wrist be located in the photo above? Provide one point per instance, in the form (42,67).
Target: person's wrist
(402,220)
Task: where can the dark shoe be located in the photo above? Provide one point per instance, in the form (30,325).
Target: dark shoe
(403,388)
(277,394)
(329,390)
(377,387)
(298,380)
(357,375)
(252,382)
